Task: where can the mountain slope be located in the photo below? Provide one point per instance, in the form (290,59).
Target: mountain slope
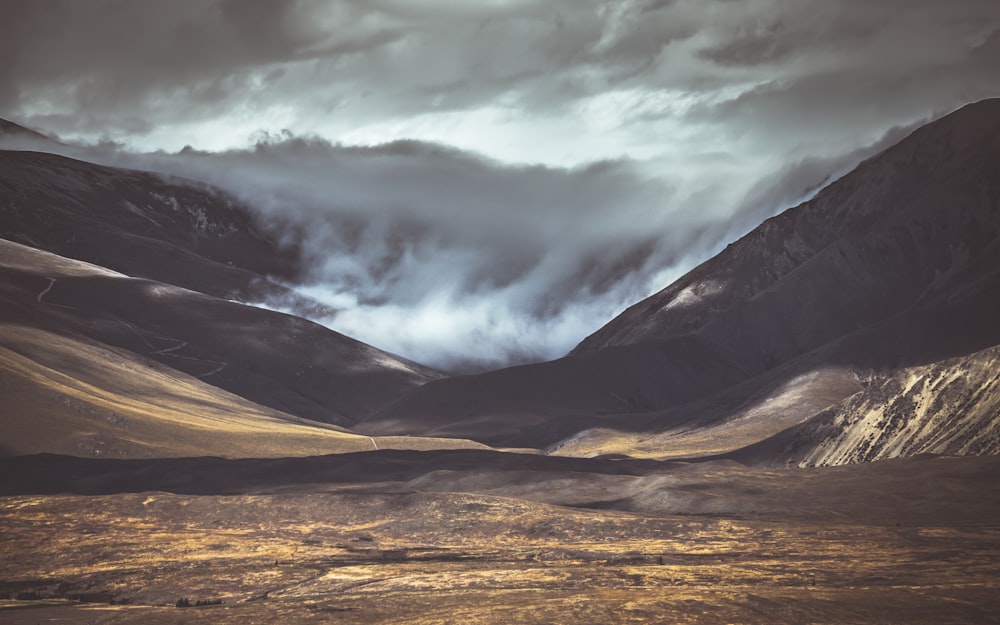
(893,266)
(9,129)
(898,227)
(138,223)
(73,396)
(950,407)
(283,362)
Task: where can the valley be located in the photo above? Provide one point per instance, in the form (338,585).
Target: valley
(805,428)
(913,541)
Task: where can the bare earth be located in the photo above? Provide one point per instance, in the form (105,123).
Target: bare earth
(388,553)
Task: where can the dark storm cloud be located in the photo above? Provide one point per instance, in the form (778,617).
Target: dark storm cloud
(826,70)
(668,128)
(149,69)
(158,61)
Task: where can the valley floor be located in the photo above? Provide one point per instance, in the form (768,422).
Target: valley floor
(386,553)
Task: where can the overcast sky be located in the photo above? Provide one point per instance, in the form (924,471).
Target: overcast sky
(488,182)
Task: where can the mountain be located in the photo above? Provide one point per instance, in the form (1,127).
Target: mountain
(141,224)
(9,129)
(93,362)
(194,242)
(950,408)
(894,267)
(821,337)
(277,360)
(900,228)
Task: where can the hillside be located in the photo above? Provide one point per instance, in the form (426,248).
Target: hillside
(894,266)
(141,224)
(93,362)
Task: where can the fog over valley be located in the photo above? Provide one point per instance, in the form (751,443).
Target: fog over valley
(479,186)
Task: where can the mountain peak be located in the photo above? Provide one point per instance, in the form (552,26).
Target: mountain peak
(10,129)
(911,183)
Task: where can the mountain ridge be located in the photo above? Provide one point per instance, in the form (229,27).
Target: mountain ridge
(893,267)
(861,277)
(10,128)
(142,338)
(779,248)
(180,232)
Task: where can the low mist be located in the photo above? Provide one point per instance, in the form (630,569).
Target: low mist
(464,263)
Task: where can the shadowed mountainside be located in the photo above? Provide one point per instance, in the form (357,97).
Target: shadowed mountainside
(913,222)
(141,224)
(895,265)
(83,347)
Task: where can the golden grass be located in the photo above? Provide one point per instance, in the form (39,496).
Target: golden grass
(73,396)
(794,402)
(447,558)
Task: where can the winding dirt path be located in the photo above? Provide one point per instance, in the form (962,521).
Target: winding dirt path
(212,372)
(52,281)
(180,345)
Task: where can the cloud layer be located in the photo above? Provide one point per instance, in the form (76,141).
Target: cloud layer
(457,260)
(555,81)
(467,263)
(486,183)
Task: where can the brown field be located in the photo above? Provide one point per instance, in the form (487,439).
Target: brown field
(384,552)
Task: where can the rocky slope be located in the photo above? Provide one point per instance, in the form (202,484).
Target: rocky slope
(950,407)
